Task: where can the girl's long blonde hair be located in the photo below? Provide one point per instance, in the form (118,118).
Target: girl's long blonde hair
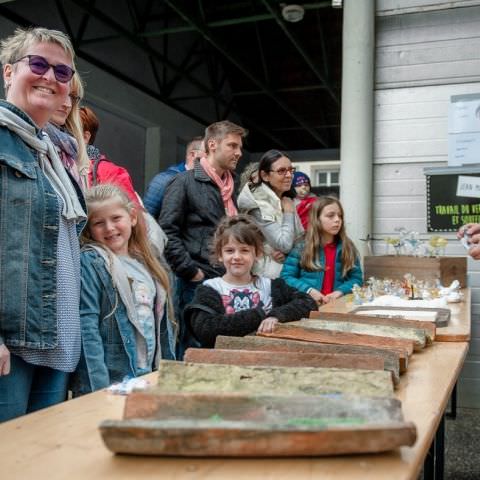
(138,244)
(73,124)
(313,239)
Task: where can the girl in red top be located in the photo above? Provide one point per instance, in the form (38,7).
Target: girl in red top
(326,265)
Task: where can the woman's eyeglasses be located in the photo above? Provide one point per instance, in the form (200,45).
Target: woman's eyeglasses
(283,171)
(39,66)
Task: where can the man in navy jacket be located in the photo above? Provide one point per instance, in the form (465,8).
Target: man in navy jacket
(153,198)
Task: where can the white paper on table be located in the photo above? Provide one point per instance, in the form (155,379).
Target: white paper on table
(408,314)
(393,301)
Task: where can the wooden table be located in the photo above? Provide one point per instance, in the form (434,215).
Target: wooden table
(63,442)
(458,329)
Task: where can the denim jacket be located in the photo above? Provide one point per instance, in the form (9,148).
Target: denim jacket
(303,280)
(108,337)
(29,216)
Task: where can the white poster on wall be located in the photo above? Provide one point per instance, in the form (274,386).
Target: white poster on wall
(464,130)
(468,186)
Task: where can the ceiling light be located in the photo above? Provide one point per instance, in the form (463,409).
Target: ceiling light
(293,13)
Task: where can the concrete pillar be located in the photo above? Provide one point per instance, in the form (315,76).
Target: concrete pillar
(356,149)
(160,151)
(153,147)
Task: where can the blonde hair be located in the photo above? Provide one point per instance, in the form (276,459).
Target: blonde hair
(15,46)
(313,238)
(73,124)
(138,243)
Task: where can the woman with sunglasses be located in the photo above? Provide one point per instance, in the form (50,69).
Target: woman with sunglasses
(269,200)
(39,213)
(66,132)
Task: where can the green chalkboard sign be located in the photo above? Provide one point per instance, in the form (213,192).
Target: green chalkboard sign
(447,211)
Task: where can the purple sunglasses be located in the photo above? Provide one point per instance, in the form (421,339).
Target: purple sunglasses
(39,65)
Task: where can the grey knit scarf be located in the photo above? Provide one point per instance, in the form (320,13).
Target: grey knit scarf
(48,160)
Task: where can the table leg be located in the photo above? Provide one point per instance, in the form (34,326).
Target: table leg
(440,450)
(429,464)
(453,404)
(434,465)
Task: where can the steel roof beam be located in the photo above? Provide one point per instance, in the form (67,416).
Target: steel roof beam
(170,85)
(296,43)
(138,27)
(305,88)
(207,35)
(139,43)
(18,19)
(263,58)
(230,21)
(107,68)
(106,38)
(252,123)
(145,15)
(135,16)
(287,129)
(326,67)
(66,23)
(211,64)
(219,23)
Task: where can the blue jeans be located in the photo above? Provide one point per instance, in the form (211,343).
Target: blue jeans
(184,291)
(28,388)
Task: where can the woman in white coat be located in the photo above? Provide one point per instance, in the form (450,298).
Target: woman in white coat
(270,202)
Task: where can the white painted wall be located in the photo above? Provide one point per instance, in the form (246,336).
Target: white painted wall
(426,51)
(396,7)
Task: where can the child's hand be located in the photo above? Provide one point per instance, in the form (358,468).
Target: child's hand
(332,296)
(316,295)
(199,276)
(4,360)
(267,325)
(278,256)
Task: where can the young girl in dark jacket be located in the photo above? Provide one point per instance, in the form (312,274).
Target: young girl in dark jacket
(239,302)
